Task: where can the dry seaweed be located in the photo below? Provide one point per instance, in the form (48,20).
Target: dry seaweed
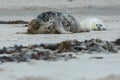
(14,22)
(52,52)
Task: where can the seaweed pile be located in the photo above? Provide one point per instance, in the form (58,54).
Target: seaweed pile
(64,50)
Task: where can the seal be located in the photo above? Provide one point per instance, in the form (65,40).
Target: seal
(93,23)
(53,22)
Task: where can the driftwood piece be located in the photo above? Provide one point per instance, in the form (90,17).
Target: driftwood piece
(98,57)
(14,22)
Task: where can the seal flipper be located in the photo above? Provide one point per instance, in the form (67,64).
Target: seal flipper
(63,31)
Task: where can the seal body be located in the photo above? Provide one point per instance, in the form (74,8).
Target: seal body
(53,22)
(93,24)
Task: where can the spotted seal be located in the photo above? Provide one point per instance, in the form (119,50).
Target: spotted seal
(53,22)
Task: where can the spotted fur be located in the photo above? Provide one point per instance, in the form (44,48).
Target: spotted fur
(53,22)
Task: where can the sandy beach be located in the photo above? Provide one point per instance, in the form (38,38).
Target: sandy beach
(82,68)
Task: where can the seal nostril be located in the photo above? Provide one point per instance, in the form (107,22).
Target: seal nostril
(28,30)
(99,28)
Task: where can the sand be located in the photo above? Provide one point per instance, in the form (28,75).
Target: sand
(75,69)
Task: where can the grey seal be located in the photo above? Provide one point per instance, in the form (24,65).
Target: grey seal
(53,22)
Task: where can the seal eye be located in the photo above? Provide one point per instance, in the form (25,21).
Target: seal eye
(97,25)
(36,26)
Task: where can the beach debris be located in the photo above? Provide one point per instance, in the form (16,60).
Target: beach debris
(65,46)
(70,0)
(117,41)
(99,57)
(14,22)
(64,50)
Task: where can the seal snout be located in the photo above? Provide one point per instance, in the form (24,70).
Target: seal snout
(29,31)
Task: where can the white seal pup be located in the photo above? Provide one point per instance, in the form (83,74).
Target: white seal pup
(53,22)
(93,24)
